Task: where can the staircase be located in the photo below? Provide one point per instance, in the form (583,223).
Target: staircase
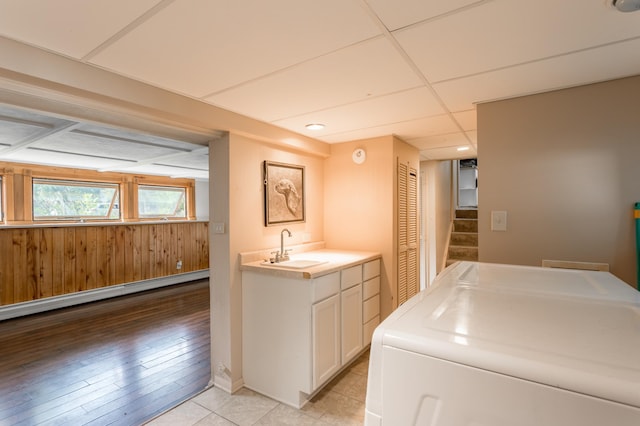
(463,244)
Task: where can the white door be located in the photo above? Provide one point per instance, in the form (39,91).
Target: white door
(326,339)
(351,322)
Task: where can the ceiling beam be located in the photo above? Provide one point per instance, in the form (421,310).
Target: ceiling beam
(38,139)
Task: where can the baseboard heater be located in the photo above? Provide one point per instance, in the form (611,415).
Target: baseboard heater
(66,300)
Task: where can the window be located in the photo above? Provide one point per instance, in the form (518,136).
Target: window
(161,202)
(71,200)
(35,194)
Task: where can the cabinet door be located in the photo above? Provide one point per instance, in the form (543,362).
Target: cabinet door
(326,339)
(351,322)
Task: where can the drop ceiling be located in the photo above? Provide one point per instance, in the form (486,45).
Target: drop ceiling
(31,137)
(364,68)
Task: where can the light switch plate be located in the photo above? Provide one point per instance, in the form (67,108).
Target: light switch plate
(498,220)
(218,228)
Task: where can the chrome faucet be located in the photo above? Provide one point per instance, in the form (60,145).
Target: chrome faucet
(284,254)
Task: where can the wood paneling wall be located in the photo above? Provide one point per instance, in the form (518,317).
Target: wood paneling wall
(40,262)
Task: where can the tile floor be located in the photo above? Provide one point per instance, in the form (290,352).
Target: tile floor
(341,402)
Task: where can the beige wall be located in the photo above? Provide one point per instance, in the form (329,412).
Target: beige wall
(438,213)
(444,210)
(237,201)
(359,210)
(564,165)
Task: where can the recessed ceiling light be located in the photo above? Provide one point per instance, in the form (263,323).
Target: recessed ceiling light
(463,148)
(315,126)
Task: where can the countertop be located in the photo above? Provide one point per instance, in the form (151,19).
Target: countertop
(333,260)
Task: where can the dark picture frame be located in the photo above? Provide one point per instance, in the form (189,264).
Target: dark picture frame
(284,196)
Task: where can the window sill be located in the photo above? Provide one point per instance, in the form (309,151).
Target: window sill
(96,223)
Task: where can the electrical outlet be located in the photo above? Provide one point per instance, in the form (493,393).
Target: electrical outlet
(179,264)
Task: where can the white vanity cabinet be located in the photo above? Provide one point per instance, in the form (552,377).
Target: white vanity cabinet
(351,309)
(300,332)
(370,299)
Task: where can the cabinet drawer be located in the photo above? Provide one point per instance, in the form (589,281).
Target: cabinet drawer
(370,308)
(371,269)
(351,276)
(368,328)
(370,288)
(325,286)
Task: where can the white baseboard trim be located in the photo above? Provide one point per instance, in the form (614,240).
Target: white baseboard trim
(66,300)
(222,382)
(226,384)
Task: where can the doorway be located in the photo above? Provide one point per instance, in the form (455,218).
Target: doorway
(468,183)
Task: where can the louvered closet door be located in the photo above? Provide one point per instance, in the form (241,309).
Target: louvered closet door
(412,233)
(407,232)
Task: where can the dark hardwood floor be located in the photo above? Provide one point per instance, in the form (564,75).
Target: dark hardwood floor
(120,361)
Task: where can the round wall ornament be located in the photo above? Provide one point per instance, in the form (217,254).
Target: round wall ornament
(359,155)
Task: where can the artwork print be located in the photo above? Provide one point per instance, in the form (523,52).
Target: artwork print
(283,193)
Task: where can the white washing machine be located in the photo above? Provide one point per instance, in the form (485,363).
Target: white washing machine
(504,345)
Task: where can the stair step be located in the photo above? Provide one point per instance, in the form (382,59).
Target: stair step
(467,213)
(464,239)
(451,261)
(463,253)
(465,225)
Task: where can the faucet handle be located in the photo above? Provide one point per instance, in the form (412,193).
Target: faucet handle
(276,258)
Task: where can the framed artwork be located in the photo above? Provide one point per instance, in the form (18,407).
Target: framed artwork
(283,193)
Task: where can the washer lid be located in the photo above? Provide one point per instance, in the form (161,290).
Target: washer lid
(577,330)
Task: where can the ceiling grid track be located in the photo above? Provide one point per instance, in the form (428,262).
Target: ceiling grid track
(389,36)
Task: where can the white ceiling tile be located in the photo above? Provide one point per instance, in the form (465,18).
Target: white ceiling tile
(81,143)
(473,137)
(199,47)
(17,125)
(594,65)
(436,125)
(91,146)
(367,133)
(30,117)
(502,33)
(400,13)
(196,162)
(127,135)
(39,156)
(406,130)
(402,106)
(455,140)
(466,119)
(371,68)
(70,27)
(447,153)
(12,132)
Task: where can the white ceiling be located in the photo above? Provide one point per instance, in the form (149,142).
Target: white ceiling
(364,68)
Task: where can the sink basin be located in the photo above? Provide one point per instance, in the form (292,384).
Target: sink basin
(296,263)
